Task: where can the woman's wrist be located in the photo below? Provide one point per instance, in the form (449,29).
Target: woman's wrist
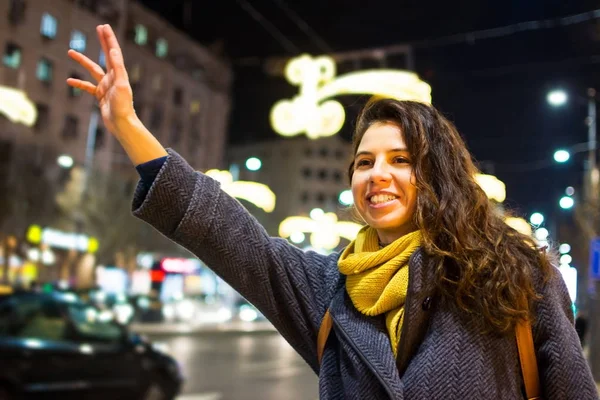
(128,126)
(139,144)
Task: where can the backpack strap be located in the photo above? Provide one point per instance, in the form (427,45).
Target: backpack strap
(525,346)
(324,330)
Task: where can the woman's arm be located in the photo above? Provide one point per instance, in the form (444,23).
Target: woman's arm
(292,288)
(289,286)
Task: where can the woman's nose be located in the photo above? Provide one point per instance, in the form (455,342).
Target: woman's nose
(380,172)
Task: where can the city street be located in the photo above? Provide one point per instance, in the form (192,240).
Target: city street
(249,366)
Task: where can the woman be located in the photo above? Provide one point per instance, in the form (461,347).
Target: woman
(424,302)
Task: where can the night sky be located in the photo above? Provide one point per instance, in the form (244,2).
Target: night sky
(494,89)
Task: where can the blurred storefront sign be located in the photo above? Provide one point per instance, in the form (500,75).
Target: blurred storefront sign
(62,240)
(111,280)
(180,265)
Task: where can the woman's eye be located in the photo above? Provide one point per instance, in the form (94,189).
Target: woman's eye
(402,160)
(363,162)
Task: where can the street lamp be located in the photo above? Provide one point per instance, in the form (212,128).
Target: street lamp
(253,164)
(346,197)
(557,98)
(65,161)
(564,248)
(561,156)
(536,218)
(566,202)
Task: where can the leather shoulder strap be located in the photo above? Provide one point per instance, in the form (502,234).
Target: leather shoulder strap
(324,330)
(529,367)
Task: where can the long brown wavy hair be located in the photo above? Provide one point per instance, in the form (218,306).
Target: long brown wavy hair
(484,267)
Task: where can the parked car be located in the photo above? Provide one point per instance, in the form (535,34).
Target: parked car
(53,345)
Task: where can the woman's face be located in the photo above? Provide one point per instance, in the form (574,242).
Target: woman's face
(383,182)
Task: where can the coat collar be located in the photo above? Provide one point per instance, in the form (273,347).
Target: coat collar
(419,304)
(369,334)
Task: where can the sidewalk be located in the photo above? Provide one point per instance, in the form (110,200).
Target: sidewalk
(203,328)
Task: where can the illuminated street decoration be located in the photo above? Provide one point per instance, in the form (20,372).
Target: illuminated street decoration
(15,106)
(520,225)
(325,231)
(312,113)
(256,193)
(493,187)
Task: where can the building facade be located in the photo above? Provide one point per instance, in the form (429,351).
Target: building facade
(181,89)
(181,93)
(304,174)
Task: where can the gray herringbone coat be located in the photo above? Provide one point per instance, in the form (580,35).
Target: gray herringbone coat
(440,355)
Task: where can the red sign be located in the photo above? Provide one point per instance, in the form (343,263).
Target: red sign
(157,276)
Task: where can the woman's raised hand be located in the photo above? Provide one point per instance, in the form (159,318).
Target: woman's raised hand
(111,88)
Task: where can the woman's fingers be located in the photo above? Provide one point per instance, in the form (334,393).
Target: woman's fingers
(110,38)
(116,58)
(83,85)
(94,69)
(105,49)
(115,53)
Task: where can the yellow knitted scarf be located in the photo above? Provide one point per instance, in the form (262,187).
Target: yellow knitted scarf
(377,279)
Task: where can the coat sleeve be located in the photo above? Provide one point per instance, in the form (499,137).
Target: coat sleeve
(564,371)
(285,283)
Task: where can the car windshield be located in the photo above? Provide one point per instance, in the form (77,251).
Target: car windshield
(93,323)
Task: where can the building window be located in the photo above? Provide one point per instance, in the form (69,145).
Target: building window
(322,174)
(339,154)
(304,197)
(16,13)
(135,73)
(156,117)
(198,74)
(12,56)
(43,117)
(194,107)
(48,26)
(157,83)
(177,96)
(141,35)
(44,70)
(194,129)
(321,198)
(175,132)
(91,5)
(306,172)
(78,40)
(308,152)
(162,47)
(102,59)
(70,127)
(100,138)
(74,92)
(324,152)
(337,176)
